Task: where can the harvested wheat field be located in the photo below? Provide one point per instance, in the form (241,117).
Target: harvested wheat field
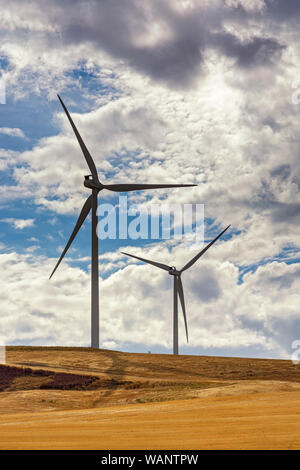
(80,398)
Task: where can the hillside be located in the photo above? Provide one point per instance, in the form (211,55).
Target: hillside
(37,378)
(77,398)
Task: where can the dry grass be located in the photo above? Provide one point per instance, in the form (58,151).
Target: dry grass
(102,377)
(131,366)
(260,421)
(66,398)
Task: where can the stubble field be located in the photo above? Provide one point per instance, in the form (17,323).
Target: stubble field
(80,398)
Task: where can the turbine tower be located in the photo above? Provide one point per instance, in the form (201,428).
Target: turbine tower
(92,182)
(177,287)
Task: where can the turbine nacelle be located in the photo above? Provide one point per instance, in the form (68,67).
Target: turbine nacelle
(90,183)
(173,271)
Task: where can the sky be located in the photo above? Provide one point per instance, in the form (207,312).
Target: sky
(183,91)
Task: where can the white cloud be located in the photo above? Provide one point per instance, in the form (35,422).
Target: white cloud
(248,5)
(8,159)
(19,223)
(12,131)
(32,248)
(203,96)
(33,239)
(41,311)
(136,305)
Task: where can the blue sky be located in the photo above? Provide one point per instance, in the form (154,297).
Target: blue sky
(171,92)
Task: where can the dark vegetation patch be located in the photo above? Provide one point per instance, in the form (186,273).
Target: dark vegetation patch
(25,378)
(19,378)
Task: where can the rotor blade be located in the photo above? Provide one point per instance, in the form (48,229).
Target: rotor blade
(120,188)
(85,151)
(190,263)
(83,215)
(158,265)
(181,296)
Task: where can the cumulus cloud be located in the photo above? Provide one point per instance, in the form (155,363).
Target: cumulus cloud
(189,92)
(136,306)
(257,51)
(248,5)
(166,41)
(19,223)
(37,310)
(12,131)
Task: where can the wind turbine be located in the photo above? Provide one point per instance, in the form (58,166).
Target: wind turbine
(92,182)
(178,288)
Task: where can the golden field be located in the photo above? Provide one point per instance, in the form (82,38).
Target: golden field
(80,398)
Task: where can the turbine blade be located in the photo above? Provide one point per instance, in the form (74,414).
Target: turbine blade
(85,151)
(158,265)
(120,188)
(190,263)
(82,216)
(181,296)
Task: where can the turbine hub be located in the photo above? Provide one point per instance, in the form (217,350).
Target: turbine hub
(91,184)
(173,271)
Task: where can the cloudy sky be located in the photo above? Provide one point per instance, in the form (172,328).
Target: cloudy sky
(173,91)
